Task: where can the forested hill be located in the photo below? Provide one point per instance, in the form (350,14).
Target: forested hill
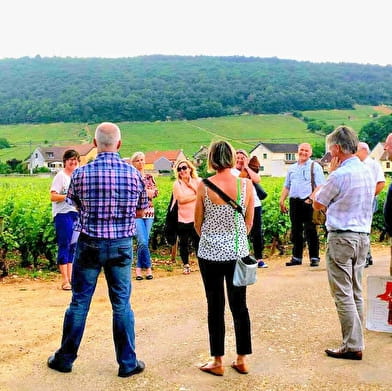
(150,88)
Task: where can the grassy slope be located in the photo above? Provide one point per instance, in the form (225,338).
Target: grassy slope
(353,118)
(242,131)
(39,135)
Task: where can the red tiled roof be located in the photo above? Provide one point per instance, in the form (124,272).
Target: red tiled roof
(151,157)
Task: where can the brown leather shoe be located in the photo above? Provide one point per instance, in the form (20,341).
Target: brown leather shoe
(217,371)
(336,353)
(240,368)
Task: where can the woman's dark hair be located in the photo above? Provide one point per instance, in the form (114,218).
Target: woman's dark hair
(70,154)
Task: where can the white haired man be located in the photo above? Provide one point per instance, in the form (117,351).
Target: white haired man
(363,152)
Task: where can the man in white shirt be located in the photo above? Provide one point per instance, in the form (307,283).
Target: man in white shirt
(363,152)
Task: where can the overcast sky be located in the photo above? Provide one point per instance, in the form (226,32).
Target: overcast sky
(311,30)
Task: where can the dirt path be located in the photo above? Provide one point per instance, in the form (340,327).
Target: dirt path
(293,321)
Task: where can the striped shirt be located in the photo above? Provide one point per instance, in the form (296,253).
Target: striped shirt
(107,193)
(348,195)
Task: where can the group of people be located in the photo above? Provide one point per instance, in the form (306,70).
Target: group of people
(111,195)
(110,203)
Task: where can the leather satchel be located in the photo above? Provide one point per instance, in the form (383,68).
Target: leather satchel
(319,217)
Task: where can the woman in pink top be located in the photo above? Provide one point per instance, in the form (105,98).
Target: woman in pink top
(184,191)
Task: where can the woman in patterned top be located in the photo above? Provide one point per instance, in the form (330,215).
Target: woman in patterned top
(144,225)
(223,238)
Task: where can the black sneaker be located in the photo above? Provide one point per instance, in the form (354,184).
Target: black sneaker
(293,262)
(58,365)
(139,368)
(314,262)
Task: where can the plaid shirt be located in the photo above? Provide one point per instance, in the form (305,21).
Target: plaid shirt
(348,194)
(107,193)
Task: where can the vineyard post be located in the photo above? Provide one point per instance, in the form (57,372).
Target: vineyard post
(31,159)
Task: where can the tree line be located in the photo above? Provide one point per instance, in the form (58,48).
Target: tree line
(150,88)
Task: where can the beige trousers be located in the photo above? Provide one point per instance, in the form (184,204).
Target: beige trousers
(346,258)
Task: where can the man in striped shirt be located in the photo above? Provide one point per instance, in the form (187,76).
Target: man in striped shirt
(109,194)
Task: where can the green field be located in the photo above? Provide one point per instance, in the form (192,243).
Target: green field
(243,131)
(356,119)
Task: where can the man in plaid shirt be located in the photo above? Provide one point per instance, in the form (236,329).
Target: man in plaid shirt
(348,197)
(109,194)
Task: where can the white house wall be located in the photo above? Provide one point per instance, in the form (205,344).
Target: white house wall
(274,164)
(36,160)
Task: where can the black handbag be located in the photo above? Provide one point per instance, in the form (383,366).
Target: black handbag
(171,222)
(261,193)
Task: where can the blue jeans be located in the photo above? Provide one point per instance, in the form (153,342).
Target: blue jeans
(143,229)
(115,257)
(64,224)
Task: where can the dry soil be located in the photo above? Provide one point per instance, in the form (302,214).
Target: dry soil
(293,321)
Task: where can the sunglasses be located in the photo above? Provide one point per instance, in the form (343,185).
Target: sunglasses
(182,168)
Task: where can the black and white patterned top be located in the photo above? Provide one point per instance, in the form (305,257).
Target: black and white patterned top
(217,240)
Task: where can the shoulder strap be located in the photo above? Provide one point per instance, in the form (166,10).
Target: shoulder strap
(312,176)
(223,195)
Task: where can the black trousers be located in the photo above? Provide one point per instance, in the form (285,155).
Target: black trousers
(256,233)
(214,274)
(187,237)
(301,223)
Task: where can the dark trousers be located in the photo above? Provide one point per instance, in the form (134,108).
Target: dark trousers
(256,234)
(301,222)
(187,236)
(213,275)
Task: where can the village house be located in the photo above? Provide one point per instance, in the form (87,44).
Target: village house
(52,157)
(163,161)
(381,156)
(275,159)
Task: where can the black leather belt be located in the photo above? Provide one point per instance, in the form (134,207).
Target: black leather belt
(342,231)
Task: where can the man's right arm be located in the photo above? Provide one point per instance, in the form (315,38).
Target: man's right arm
(283,196)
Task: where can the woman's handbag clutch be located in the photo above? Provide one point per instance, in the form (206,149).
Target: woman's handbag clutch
(245,271)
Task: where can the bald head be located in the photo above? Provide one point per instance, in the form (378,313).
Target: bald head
(363,150)
(304,152)
(107,137)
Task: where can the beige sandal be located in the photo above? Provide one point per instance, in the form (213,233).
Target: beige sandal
(187,269)
(66,286)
